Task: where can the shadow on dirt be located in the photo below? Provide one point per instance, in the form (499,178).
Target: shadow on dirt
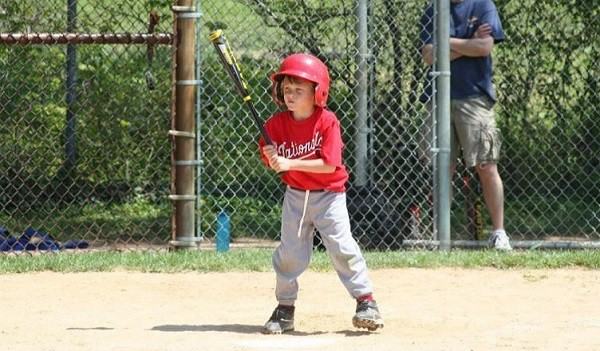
(354,332)
(231,328)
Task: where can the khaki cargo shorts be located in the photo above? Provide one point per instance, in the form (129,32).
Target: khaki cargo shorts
(473,132)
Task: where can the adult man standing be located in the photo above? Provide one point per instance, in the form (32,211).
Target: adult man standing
(475,28)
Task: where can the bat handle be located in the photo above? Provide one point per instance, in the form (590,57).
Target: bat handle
(258,122)
(266,138)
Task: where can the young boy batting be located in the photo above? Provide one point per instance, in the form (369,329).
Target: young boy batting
(307,153)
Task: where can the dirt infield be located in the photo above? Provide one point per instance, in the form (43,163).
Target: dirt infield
(424,309)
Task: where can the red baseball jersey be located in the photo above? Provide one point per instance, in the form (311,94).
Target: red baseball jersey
(318,136)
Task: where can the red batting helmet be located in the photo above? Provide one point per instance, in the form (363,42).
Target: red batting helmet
(307,67)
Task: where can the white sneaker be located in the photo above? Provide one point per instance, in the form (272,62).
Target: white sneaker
(499,240)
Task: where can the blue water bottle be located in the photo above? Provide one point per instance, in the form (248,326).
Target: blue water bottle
(223,231)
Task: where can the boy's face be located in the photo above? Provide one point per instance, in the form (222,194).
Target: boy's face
(299,95)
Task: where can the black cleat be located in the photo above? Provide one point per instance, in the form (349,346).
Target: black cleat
(281,321)
(367,316)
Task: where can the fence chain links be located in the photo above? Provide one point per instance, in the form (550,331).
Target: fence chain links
(97,168)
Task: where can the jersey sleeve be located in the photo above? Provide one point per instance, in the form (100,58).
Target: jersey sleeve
(332,146)
(490,16)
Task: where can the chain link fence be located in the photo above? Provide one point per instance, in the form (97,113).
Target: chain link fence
(546,76)
(85,151)
(97,167)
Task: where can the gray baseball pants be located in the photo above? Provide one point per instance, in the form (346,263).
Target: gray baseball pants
(303,212)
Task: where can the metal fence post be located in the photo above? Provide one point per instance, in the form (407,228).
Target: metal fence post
(442,116)
(362,79)
(71,95)
(198,125)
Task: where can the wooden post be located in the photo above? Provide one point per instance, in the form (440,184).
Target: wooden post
(183,127)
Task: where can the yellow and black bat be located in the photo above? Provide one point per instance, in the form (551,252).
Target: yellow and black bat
(473,204)
(231,66)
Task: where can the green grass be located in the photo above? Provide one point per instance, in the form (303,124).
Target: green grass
(259,260)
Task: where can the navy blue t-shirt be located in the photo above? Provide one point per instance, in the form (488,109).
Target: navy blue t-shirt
(470,76)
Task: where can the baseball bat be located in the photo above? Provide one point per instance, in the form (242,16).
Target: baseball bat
(473,204)
(231,66)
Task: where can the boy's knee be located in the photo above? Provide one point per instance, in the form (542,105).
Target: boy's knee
(289,265)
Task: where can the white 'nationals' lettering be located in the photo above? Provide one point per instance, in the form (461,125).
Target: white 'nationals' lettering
(293,150)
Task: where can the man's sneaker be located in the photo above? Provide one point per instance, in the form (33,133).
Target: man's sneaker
(367,316)
(499,240)
(281,321)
